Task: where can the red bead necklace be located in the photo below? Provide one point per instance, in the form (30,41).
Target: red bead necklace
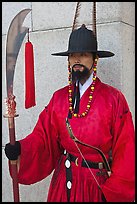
(79,115)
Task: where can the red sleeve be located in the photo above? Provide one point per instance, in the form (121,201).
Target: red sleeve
(120,186)
(40,150)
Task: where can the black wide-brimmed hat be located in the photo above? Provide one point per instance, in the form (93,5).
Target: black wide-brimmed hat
(83,40)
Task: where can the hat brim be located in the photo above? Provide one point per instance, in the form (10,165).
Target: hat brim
(101,54)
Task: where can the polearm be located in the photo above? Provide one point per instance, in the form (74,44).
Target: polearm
(15,36)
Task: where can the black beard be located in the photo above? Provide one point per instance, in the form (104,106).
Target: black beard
(78,75)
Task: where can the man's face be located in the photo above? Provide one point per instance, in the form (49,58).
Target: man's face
(81,64)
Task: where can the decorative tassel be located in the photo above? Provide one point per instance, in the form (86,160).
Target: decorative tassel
(29,75)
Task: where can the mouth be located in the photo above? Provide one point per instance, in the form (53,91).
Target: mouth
(78,67)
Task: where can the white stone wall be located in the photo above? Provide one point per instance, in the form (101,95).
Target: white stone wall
(50,25)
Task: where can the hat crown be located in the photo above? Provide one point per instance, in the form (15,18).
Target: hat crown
(82,40)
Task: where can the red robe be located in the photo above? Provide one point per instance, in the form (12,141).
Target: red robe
(107,126)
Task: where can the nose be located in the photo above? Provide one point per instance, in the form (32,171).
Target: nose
(77,59)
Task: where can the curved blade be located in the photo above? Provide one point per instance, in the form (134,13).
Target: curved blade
(15,36)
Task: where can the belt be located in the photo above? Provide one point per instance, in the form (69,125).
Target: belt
(71,158)
(87,163)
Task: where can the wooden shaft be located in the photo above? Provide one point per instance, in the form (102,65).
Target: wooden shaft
(13,162)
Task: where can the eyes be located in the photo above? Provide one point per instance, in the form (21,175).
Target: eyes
(80,54)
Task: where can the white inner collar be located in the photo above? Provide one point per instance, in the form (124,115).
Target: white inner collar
(83,88)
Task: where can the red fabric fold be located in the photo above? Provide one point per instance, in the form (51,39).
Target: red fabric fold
(29,76)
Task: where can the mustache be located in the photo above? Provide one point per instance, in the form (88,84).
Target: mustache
(77,64)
